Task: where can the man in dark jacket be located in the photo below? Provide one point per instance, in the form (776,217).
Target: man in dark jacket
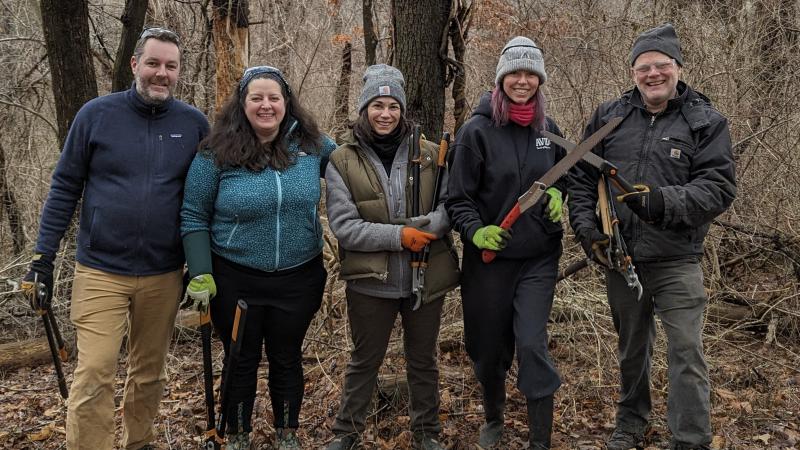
(126,155)
(676,144)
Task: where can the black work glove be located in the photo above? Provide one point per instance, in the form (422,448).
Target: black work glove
(588,237)
(41,272)
(646,203)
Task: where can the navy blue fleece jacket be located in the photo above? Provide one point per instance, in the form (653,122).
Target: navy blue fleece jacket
(128,160)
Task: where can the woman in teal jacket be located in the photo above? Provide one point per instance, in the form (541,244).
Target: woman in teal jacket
(251,231)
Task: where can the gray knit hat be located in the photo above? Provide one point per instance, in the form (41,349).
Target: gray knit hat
(660,39)
(521,54)
(382,80)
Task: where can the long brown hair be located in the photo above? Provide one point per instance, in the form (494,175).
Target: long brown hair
(233,142)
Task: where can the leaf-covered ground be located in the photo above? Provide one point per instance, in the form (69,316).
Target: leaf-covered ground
(756,388)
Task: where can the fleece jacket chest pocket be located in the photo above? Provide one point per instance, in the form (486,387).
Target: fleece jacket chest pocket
(173,154)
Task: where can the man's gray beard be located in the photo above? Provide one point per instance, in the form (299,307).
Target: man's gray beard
(147,99)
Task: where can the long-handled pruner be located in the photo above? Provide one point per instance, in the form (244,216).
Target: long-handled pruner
(37,295)
(531,196)
(416,257)
(215,434)
(419,281)
(612,253)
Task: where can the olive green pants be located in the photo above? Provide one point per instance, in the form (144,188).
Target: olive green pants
(106,307)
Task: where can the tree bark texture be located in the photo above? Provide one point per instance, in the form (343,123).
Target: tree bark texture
(10,208)
(370,40)
(418,29)
(342,97)
(459,27)
(231,45)
(132,23)
(66,34)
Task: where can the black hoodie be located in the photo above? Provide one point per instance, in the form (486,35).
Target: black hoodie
(490,168)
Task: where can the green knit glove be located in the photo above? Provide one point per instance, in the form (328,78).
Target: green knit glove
(491,237)
(201,290)
(554,205)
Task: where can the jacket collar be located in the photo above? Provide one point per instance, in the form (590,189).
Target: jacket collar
(146,109)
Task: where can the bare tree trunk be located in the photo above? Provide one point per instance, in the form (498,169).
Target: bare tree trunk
(11,207)
(459,27)
(342,98)
(66,34)
(370,40)
(231,45)
(417,56)
(132,21)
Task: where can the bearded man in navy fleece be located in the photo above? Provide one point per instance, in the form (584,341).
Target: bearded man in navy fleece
(126,155)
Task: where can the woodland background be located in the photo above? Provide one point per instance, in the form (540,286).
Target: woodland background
(743,54)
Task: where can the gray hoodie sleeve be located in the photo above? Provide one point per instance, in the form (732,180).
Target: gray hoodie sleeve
(353,232)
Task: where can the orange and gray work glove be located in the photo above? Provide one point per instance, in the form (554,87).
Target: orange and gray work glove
(414,239)
(554,204)
(41,272)
(491,237)
(201,290)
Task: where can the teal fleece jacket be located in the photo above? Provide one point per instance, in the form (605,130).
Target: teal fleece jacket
(265,220)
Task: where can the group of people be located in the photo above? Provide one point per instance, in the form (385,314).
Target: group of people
(238,203)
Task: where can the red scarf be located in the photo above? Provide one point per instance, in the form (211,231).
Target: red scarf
(521,114)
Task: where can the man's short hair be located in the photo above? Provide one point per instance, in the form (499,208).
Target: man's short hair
(161,34)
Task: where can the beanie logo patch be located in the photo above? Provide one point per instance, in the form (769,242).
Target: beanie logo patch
(675,153)
(384,90)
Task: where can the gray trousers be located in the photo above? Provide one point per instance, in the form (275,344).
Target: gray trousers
(371,323)
(674,292)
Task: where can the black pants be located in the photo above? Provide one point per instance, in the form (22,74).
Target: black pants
(280,308)
(506,304)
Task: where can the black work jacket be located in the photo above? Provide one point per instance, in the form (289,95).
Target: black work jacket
(491,167)
(684,150)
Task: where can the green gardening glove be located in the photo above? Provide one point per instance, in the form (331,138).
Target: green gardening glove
(491,237)
(201,290)
(554,205)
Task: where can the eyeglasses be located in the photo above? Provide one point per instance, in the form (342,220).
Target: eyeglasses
(160,33)
(254,71)
(660,66)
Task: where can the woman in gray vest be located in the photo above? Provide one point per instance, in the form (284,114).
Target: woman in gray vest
(368,201)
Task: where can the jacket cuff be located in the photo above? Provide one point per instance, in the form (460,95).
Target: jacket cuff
(197,247)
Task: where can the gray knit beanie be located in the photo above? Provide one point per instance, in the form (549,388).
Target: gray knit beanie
(521,54)
(382,80)
(660,39)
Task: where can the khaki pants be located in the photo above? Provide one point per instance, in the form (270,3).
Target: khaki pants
(104,308)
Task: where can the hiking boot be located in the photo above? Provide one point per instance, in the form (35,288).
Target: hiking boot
(426,442)
(678,446)
(625,440)
(540,422)
(287,439)
(343,442)
(237,441)
(494,402)
(490,434)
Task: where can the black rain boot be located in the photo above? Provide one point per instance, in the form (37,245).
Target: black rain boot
(494,401)
(540,422)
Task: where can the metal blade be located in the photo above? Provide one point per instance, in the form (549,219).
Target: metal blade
(532,195)
(590,157)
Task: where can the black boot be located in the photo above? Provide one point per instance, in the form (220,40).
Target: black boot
(540,422)
(494,402)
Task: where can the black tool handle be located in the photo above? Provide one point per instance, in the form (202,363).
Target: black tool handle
(51,340)
(239,322)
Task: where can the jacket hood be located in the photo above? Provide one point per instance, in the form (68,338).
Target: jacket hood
(484,105)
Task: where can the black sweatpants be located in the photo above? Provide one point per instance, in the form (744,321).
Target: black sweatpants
(280,308)
(507,303)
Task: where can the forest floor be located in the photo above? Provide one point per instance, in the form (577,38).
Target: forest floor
(755,387)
